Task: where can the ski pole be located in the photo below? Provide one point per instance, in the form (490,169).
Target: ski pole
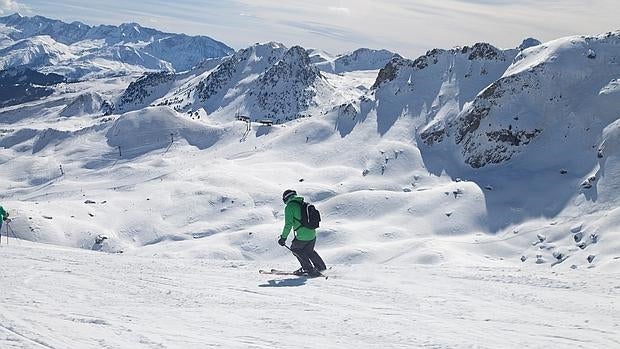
(12,231)
(293,252)
(288,248)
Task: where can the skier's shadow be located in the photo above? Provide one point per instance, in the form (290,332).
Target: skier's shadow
(284,282)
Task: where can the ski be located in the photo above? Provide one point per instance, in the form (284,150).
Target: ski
(284,272)
(275,272)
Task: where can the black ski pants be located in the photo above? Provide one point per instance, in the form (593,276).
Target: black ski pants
(306,255)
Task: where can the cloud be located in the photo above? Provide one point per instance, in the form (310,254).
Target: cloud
(340,34)
(339,10)
(8,6)
(409,27)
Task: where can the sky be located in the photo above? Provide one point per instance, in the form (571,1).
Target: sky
(409,27)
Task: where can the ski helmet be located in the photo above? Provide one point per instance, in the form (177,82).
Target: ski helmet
(288,193)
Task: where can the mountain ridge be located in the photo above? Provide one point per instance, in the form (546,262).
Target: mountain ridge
(139,48)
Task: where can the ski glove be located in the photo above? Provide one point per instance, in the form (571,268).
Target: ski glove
(282,241)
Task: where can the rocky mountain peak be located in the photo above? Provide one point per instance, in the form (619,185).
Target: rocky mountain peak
(540,99)
(482,51)
(297,55)
(295,65)
(390,71)
(252,60)
(13,17)
(288,87)
(527,43)
(138,92)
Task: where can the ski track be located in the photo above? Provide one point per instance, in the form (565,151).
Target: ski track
(62,298)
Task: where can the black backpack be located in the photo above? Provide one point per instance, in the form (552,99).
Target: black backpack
(310,216)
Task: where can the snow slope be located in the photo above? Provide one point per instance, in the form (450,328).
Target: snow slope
(88,103)
(58,298)
(34,52)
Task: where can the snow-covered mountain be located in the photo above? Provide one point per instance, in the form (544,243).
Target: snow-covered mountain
(289,87)
(144,90)
(264,81)
(360,59)
(77,50)
(458,143)
(88,103)
(207,82)
(434,87)
(232,79)
(36,51)
(554,100)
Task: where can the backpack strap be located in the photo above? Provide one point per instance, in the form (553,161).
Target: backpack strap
(298,221)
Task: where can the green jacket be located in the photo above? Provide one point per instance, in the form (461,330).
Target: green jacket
(3,213)
(292,218)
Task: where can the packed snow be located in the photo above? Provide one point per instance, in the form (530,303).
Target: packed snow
(64,298)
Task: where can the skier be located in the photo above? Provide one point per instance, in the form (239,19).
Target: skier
(4,216)
(305,238)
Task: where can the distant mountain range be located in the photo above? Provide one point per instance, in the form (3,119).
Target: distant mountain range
(262,81)
(488,103)
(77,50)
(360,59)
